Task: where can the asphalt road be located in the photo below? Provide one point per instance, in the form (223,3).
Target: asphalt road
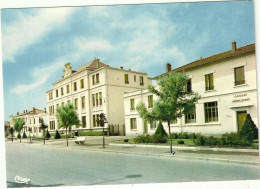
(61,166)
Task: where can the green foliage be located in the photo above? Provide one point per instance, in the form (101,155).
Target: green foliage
(160,130)
(233,140)
(185,135)
(24,135)
(211,141)
(180,142)
(249,131)
(92,133)
(200,141)
(18,124)
(57,135)
(47,135)
(19,135)
(67,116)
(150,139)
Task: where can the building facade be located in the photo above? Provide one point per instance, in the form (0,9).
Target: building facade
(33,120)
(227,85)
(94,88)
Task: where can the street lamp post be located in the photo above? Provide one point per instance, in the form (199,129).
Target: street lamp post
(102,122)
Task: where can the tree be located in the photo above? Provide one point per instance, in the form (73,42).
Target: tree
(43,126)
(18,125)
(249,130)
(67,117)
(30,131)
(57,135)
(24,134)
(174,100)
(11,130)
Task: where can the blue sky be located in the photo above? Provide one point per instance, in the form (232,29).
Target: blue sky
(36,43)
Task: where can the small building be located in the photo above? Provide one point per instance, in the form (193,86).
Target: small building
(94,88)
(227,85)
(33,120)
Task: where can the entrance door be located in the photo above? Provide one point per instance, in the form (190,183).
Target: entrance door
(241,117)
(145,127)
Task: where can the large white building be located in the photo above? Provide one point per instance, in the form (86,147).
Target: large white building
(33,120)
(227,85)
(94,88)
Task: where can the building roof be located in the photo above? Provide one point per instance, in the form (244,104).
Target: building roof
(215,58)
(31,112)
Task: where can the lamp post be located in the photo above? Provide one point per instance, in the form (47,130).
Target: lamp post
(102,122)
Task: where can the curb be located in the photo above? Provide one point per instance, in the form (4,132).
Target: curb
(188,148)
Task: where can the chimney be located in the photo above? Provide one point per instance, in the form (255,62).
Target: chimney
(234,46)
(17,113)
(168,67)
(45,110)
(121,67)
(34,110)
(24,111)
(98,61)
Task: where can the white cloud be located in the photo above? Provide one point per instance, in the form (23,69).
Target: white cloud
(24,88)
(30,28)
(91,45)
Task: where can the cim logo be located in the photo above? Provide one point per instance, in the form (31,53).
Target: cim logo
(21,180)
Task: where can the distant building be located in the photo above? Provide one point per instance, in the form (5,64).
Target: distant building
(94,88)
(33,119)
(228,89)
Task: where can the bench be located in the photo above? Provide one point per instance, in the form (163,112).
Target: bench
(80,140)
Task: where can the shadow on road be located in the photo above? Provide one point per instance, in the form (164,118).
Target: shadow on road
(126,177)
(22,185)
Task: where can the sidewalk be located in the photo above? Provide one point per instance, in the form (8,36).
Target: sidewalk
(95,143)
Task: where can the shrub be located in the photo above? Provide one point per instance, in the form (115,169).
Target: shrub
(200,141)
(174,135)
(159,139)
(184,135)
(160,130)
(126,140)
(19,135)
(24,135)
(233,140)
(92,133)
(180,142)
(57,135)
(47,135)
(249,130)
(211,141)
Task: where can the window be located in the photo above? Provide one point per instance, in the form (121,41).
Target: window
(150,101)
(33,120)
(132,104)
(100,98)
(211,111)
(188,86)
(97,99)
(30,121)
(75,86)
(84,121)
(134,78)
(50,96)
(209,82)
(68,89)
(61,91)
(94,121)
(93,99)
(191,117)
(57,93)
(97,78)
(153,125)
(82,83)
(141,80)
(83,102)
(93,79)
(133,123)
(52,125)
(97,120)
(126,79)
(239,76)
(76,103)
